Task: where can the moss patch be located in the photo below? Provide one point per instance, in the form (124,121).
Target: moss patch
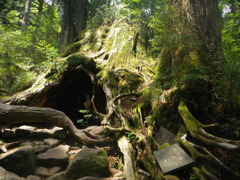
(73,48)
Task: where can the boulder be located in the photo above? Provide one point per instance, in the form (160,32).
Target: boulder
(54,157)
(88,162)
(46,172)
(20,161)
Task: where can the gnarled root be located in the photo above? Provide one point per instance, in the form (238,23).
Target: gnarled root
(196,130)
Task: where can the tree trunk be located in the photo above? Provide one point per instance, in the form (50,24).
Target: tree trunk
(74,20)
(204,18)
(26,14)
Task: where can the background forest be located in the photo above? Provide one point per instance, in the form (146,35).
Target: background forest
(166,51)
(30,40)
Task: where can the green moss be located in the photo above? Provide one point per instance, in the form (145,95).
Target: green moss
(79,59)
(73,48)
(89,162)
(164,145)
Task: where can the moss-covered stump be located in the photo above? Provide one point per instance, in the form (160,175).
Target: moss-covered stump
(88,162)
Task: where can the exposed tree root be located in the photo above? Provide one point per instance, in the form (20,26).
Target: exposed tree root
(10,115)
(196,130)
(111,106)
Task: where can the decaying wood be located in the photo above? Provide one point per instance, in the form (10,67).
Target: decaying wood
(10,115)
(130,170)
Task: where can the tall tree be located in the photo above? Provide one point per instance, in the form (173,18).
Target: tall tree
(26,14)
(203,17)
(74,20)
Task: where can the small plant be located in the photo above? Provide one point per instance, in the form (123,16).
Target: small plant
(86,117)
(131,136)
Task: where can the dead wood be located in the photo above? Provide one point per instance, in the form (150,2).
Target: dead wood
(130,169)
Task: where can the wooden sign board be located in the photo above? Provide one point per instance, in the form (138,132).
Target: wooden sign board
(164,136)
(172,159)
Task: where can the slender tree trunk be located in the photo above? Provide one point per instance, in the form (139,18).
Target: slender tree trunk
(74,20)
(26,14)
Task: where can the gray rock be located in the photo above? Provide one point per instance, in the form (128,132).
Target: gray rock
(88,162)
(44,172)
(51,142)
(40,148)
(40,134)
(6,175)
(38,143)
(32,177)
(54,157)
(19,160)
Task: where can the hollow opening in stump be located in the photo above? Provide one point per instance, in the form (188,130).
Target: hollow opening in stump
(74,93)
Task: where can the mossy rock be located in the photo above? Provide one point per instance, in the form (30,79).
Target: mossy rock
(89,162)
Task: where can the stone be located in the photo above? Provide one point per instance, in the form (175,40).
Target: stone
(54,157)
(40,134)
(46,172)
(88,162)
(20,161)
(32,177)
(6,175)
(164,136)
(40,149)
(172,159)
(51,142)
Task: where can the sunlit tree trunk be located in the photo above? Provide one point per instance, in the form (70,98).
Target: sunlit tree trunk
(204,18)
(26,14)
(74,20)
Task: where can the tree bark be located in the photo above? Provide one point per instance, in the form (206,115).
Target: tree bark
(204,18)
(26,14)
(74,20)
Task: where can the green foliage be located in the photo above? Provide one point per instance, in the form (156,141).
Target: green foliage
(231,35)
(170,28)
(100,12)
(86,115)
(131,136)
(26,54)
